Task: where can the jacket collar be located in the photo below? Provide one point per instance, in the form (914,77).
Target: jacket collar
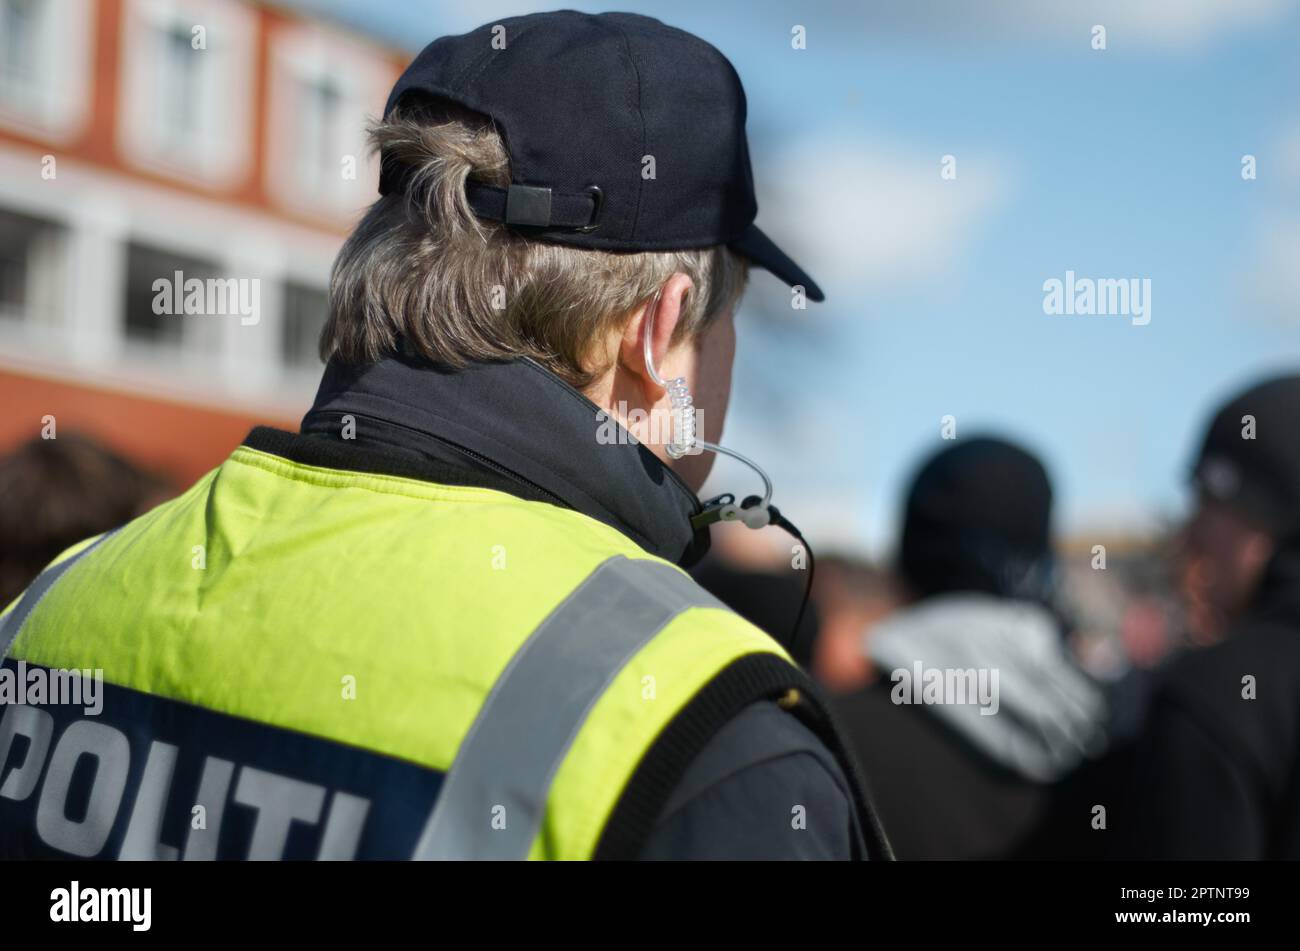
(515,425)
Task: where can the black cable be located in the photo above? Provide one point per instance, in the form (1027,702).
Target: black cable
(807,590)
(782,522)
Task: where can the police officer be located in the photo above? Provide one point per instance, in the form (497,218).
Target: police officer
(447,618)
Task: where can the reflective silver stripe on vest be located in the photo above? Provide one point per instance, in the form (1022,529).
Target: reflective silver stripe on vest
(13,622)
(537,706)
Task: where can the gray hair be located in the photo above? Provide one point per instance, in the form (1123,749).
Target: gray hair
(421,265)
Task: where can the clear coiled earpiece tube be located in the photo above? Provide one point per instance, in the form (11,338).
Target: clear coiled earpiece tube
(685,438)
(683,442)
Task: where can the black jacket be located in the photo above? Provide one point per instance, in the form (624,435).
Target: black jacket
(517,428)
(1216,775)
(951,781)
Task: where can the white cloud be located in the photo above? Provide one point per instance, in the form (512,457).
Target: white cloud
(1272,275)
(1284,157)
(862,214)
(1274,280)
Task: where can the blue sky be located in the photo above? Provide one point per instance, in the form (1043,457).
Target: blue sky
(1114,164)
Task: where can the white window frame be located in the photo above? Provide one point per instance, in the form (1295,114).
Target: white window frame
(308,53)
(56,103)
(218,153)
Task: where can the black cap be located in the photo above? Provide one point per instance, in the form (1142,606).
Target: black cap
(584,103)
(1259,476)
(978,518)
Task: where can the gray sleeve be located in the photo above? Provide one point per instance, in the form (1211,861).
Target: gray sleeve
(765,787)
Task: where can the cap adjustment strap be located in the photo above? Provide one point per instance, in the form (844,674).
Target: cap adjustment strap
(529,206)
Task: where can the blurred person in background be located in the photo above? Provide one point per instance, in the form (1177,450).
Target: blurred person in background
(851,596)
(57,492)
(954,778)
(1216,771)
(847,597)
(447,618)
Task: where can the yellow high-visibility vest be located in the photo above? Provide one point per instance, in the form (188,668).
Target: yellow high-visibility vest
(300,661)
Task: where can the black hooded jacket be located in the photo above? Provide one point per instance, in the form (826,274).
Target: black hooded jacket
(1216,772)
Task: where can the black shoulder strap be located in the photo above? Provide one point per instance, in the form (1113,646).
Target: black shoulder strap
(747,680)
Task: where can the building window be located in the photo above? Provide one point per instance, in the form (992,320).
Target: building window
(305,310)
(147,265)
(320,133)
(20,30)
(44,65)
(178,84)
(322,88)
(186,92)
(13,270)
(30,260)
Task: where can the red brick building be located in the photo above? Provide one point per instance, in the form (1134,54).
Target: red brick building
(138,138)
